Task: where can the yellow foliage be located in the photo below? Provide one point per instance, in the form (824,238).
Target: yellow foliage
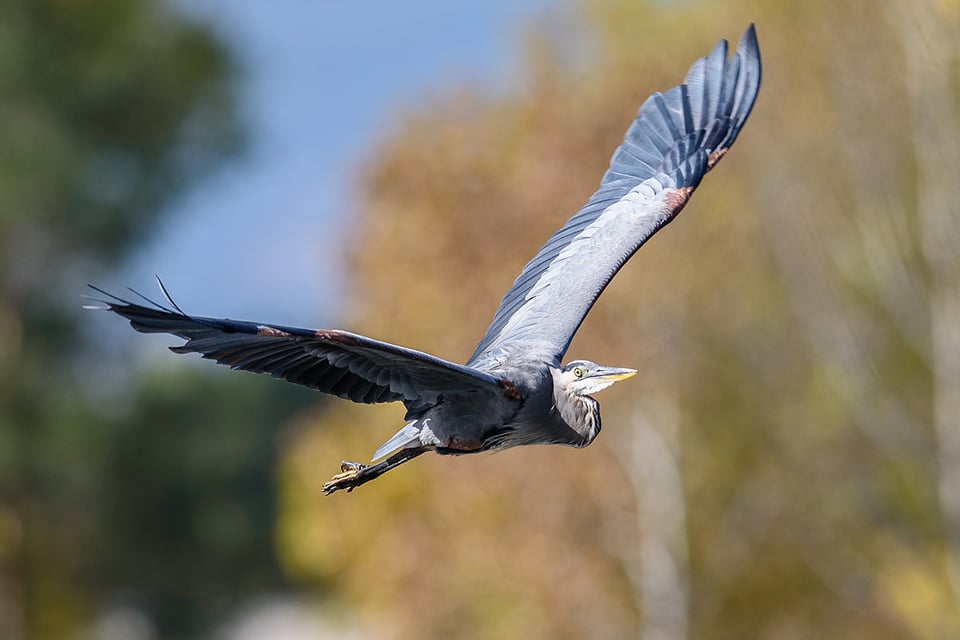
(781,315)
(920,590)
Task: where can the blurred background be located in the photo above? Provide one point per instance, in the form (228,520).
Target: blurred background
(788,461)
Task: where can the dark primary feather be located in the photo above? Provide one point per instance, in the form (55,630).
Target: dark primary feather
(335,362)
(676,138)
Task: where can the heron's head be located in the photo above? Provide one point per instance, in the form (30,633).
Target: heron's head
(582,377)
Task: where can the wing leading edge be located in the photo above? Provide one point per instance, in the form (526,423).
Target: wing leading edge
(676,138)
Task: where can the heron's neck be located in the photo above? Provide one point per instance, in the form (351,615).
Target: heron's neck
(591,420)
(582,414)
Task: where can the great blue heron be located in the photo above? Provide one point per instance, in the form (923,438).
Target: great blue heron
(513,390)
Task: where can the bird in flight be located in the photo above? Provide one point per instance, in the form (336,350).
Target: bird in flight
(514,389)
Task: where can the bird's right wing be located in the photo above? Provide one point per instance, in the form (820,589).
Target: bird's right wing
(340,363)
(676,138)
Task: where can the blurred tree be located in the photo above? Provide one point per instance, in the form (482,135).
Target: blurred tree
(929,33)
(187,533)
(778,470)
(109,110)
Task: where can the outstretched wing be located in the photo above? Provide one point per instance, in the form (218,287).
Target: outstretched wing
(676,138)
(343,364)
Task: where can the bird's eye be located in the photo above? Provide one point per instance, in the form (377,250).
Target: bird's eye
(578,372)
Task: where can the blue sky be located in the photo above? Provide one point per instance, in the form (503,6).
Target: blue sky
(321,80)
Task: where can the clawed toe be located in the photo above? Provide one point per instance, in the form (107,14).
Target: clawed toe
(346,467)
(348,478)
(354,474)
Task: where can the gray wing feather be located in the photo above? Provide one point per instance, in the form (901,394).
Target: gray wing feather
(343,364)
(676,138)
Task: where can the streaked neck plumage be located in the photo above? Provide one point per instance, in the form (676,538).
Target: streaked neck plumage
(580,412)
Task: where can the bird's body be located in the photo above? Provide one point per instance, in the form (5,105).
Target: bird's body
(513,390)
(537,408)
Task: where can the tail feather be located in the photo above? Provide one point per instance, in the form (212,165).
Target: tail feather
(409,434)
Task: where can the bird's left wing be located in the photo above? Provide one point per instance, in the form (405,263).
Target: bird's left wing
(340,363)
(676,138)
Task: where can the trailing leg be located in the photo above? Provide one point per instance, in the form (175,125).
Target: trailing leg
(354,474)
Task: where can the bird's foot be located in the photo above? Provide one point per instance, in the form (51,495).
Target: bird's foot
(354,474)
(350,477)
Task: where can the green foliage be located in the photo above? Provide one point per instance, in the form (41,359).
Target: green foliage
(189,527)
(109,110)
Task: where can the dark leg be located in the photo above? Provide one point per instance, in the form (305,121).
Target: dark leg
(354,474)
